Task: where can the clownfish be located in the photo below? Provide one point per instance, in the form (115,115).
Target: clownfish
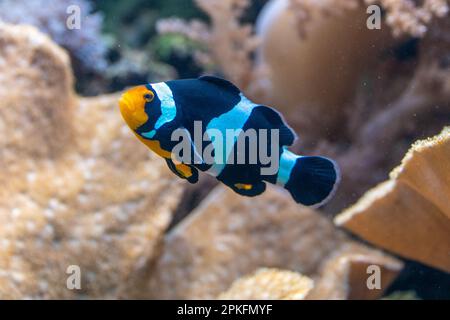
(154,112)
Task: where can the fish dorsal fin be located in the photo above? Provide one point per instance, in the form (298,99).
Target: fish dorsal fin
(225,84)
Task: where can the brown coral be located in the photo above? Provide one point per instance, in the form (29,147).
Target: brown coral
(33,122)
(77,188)
(217,244)
(410,214)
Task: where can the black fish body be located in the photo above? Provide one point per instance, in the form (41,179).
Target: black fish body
(212,107)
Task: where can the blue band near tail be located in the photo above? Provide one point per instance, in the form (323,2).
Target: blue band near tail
(287,163)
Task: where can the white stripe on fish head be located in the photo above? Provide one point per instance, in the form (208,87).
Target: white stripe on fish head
(168,107)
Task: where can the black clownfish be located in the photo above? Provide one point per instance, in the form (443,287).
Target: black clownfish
(155,111)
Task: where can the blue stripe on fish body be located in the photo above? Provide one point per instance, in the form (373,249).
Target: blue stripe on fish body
(250,172)
(168,107)
(287,163)
(203,100)
(234,119)
(195,155)
(150,134)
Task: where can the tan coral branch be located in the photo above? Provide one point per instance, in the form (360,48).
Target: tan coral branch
(231,42)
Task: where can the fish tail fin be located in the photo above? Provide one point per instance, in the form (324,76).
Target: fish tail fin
(313,180)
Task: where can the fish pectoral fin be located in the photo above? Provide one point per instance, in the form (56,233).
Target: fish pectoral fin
(249,190)
(183,171)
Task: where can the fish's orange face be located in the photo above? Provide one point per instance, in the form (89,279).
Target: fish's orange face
(132,106)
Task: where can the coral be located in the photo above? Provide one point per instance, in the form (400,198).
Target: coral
(344,274)
(137,54)
(195,29)
(50,17)
(195,32)
(404,17)
(231,43)
(77,188)
(217,244)
(410,214)
(269,284)
(34,123)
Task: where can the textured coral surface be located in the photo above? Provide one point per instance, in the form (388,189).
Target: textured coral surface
(229,236)
(77,189)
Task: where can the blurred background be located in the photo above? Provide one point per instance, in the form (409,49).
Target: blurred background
(119,44)
(353,91)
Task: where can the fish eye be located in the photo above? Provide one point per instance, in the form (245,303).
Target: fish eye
(148,97)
